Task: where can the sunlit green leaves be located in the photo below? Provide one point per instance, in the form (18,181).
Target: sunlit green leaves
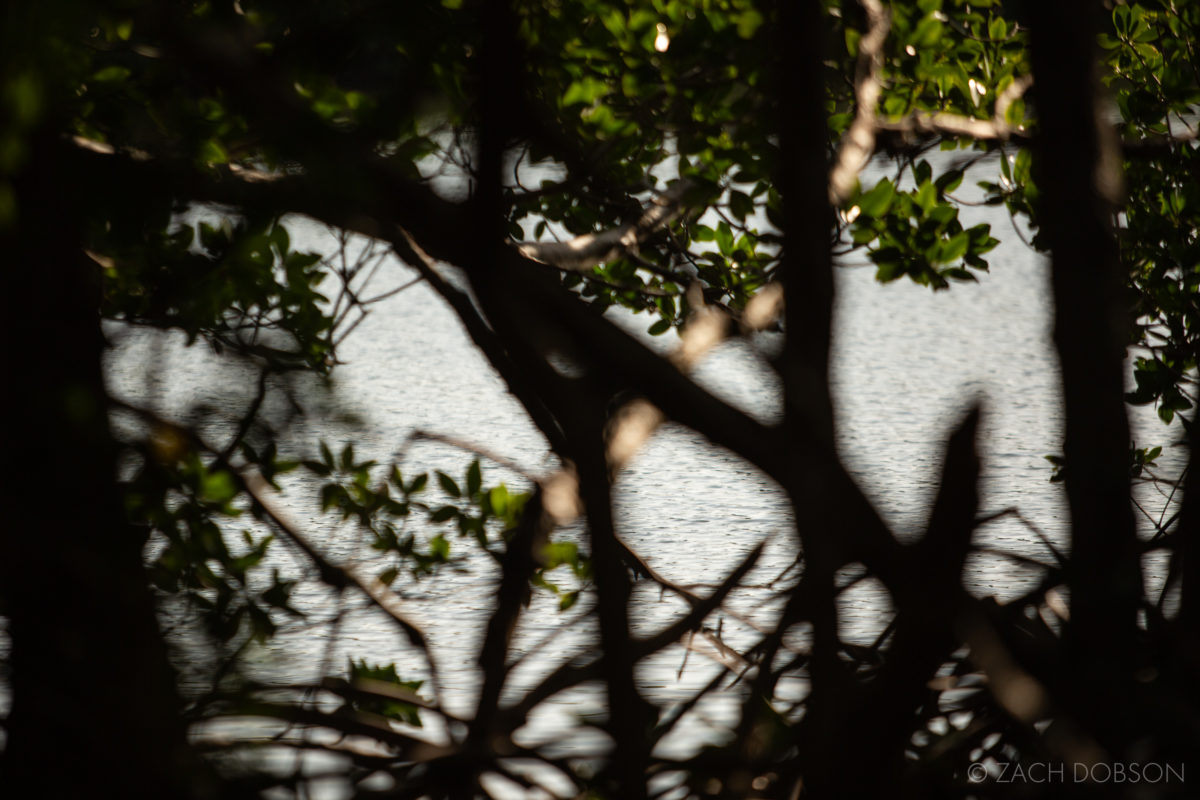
(217,487)
(876,202)
(917,233)
(949,57)
(586,90)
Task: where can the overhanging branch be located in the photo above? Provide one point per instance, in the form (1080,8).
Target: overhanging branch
(592,249)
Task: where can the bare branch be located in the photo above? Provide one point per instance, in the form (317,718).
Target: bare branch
(995,129)
(858,144)
(592,249)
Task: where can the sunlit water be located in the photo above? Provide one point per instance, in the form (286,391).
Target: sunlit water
(907,364)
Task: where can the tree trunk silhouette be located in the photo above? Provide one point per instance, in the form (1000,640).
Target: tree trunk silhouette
(1078,172)
(94,707)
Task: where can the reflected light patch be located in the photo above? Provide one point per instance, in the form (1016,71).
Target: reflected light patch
(662,41)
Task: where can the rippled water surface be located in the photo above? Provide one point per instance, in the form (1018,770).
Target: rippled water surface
(907,363)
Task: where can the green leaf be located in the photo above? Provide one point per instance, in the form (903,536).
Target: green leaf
(585,91)
(958,274)
(949,181)
(853,37)
(954,249)
(1122,19)
(331,495)
(748,22)
(724,238)
(922,172)
(218,487)
(280,239)
(474,478)
(555,554)
(927,32)
(1022,165)
(443,514)
(111,74)
(876,202)
(925,196)
(213,152)
(448,485)
(362,676)
(497,499)
(439,547)
(1015,113)
(659,327)
(740,205)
